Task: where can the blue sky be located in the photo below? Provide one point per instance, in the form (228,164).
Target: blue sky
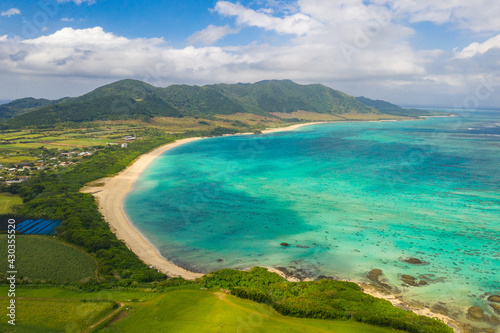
(408,52)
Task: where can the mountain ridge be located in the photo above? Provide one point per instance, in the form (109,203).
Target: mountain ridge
(23,105)
(395,110)
(133,99)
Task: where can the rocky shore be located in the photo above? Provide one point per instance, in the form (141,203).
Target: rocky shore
(463,320)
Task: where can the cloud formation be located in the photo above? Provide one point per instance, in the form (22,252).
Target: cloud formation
(361,47)
(297,24)
(473,15)
(94,52)
(211,34)
(479,48)
(11,12)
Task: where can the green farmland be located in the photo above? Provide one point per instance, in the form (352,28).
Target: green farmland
(42,258)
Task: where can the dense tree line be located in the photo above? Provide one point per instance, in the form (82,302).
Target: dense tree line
(324,299)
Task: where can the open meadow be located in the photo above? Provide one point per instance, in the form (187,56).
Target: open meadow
(55,315)
(7,201)
(182,309)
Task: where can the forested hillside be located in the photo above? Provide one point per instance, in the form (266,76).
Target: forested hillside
(131,99)
(23,105)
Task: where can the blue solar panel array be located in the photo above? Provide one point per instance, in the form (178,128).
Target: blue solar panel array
(37,227)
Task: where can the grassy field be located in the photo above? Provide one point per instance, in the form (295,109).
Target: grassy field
(206,311)
(50,315)
(255,120)
(44,258)
(182,309)
(6,157)
(180,125)
(308,116)
(7,200)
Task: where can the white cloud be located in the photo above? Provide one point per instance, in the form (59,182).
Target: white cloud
(479,48)
(96,53)
(211,34)
(473,15)
(297,24)
(66,19)
(11,12)
(276,6)
(78,2)
(312,34)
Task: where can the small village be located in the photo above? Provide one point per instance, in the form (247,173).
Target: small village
(50,159)
(55,158)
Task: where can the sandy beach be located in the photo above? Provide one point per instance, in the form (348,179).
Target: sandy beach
(111,191)
(290,128)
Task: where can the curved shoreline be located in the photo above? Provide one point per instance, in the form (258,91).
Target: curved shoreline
(111,191)
(109,199)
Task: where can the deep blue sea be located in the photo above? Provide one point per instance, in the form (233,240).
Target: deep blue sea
(346,197)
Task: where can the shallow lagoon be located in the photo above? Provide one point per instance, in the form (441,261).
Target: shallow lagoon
(346,197)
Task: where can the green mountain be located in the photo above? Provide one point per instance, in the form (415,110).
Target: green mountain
(131,99)
(388,108)
(23,105)
(286,96)
(260,98)
(126,99)
(200,101)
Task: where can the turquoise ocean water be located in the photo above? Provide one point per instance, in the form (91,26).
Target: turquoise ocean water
(346,197)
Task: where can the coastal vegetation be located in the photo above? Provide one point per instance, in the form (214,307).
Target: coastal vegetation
(324,299)
(181,309)
(226,299)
